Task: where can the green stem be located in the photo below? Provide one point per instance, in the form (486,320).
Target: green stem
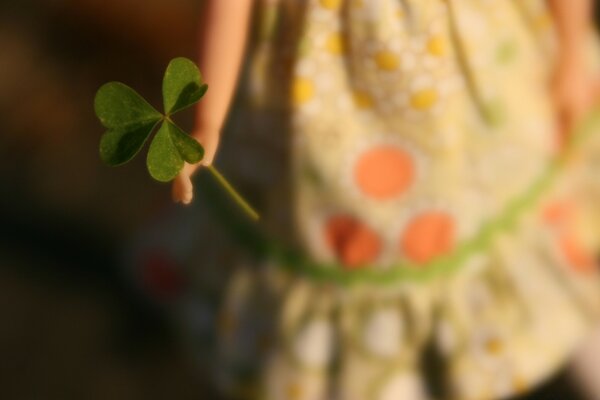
(234,194)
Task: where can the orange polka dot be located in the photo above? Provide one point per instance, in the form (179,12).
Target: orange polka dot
(580,260)
(558,212)
(384,172)
(353,242)
(428,236)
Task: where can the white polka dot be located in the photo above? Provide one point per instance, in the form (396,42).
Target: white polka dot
(402,386)
(479,297)
(384,332)
(314,344)
(305,67)
(446,337)
(409,61)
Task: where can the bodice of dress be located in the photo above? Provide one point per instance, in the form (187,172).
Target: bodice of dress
(402,118)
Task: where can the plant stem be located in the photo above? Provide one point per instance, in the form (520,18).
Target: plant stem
(234,194)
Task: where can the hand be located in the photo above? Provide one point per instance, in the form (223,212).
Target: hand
(575,93)
(182,190)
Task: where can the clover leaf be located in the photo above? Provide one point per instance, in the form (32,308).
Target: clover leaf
(130,121)
(168,151)
(182,85)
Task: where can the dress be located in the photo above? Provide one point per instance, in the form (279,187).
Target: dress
(442,248)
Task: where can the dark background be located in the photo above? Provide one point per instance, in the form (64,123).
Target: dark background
(72,326)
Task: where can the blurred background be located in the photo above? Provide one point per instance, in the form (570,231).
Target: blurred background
(71,323)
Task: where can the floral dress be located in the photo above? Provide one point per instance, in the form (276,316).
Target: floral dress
(424,236)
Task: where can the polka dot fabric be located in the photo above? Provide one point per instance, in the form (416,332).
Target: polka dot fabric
(384,172)
(353,243)
(409,126)
(427,236)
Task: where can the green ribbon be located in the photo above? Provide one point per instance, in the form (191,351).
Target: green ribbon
(297,262)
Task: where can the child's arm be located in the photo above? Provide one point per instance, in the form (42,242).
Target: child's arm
(573,22)
(573,85)
(223,34)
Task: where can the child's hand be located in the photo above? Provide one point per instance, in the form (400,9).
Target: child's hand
(575,92)
(210,142)
(183,190)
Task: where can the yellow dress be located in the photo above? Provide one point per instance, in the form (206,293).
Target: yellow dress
(441,248)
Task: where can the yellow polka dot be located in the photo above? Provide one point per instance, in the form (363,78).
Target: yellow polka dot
(293,391)
(436,46)
(520,385)
(400,13)
(494,346)
(543,21)
(302,91)
(424,99)
(331,4)
(486,394)
(386,60)
(335,44)
(363,100)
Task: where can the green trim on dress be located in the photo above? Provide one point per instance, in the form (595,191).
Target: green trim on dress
(332,272)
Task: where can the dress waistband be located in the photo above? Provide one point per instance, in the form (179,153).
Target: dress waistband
(252,239)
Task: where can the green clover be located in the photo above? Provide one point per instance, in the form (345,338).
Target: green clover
(130,121)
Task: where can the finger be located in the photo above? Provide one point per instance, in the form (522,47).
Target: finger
(572,117)
(181,185)
(176,191)
(188,170)
(187,191)
(178,197)
(567,126)
(562,127)
(184,197)
(210,143)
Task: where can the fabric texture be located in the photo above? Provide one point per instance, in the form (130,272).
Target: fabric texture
(388,133)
